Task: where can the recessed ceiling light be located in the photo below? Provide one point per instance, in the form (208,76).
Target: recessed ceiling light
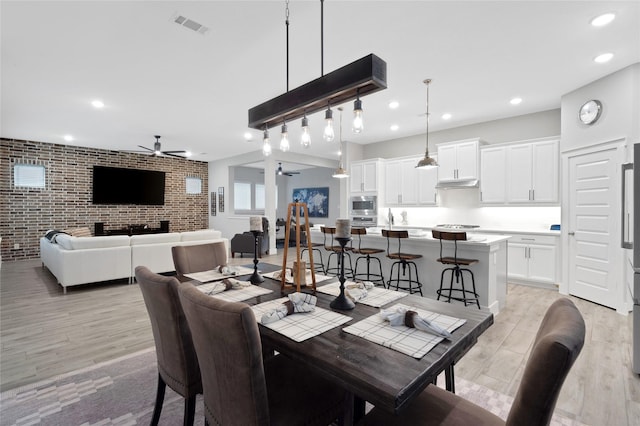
(515,101)
(446,116)
(394,104)
(188,154)
(394,127)
(248,136)
(605,57)
(97,103)
(602,20)
(67,138)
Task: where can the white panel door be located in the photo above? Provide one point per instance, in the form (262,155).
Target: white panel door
(593,217)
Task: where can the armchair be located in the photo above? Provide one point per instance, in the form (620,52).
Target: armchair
(245,242)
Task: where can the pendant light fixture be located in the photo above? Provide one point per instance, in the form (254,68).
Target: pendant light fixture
(305,139)
(358,124)
(340,172)
(266,146)
(329,134)
(284,138)
(362,77)
(427,162)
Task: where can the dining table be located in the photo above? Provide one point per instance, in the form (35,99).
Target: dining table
(369,371)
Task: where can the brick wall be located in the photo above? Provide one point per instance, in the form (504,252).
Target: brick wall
(26,214)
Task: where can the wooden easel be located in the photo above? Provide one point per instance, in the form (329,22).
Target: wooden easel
(296,276)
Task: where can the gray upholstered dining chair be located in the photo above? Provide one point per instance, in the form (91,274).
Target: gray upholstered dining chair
(198,258)
(557,345)
(178,365)
(240,388)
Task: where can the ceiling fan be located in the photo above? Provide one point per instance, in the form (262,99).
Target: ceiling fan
(157,150)
(281,172)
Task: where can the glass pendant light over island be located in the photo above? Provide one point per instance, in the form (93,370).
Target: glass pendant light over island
(427,162)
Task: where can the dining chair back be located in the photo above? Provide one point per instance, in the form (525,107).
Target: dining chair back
(558,343)
(198,258)
(178,365)
(240,388)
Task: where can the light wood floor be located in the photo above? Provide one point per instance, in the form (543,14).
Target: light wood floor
(44,333)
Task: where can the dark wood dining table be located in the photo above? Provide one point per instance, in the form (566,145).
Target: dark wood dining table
(371,372)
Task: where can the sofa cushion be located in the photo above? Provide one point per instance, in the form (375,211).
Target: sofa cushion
(171,237)
(203,234)
(79,243)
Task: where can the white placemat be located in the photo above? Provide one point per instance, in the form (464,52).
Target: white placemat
(376,296)
(410,341)
(235,295)
(302,326)
(214,275)
(275,275)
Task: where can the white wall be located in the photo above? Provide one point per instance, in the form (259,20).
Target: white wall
(530,126)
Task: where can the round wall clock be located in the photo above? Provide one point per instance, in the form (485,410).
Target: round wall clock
(590,111)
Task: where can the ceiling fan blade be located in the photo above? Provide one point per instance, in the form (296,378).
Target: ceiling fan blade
(144,147)
(170,154)
(174,152)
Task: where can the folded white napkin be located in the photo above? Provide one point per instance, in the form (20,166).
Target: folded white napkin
(357,291)
(298,302)
(288,275)
(227,284)
(411,319)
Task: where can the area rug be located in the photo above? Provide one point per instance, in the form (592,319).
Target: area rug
(122,392)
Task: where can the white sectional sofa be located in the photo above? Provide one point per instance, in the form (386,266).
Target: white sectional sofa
(82,260)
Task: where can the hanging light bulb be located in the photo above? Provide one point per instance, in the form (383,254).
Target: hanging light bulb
(266,146)
(358,124)
(328,134)
(284,138)
(306,136)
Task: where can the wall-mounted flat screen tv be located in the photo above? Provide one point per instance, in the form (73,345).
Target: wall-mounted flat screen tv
(114,185)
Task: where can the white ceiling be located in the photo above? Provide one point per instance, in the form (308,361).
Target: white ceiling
(156,77)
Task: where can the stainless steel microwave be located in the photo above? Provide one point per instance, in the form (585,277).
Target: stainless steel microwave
(363,205)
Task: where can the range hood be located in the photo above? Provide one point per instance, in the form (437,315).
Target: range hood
(458,184)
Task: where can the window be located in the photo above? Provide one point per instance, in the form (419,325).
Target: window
(29,176)
(259,200)
(242,196)
(194,185)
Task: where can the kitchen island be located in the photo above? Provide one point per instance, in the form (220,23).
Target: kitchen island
(490,272)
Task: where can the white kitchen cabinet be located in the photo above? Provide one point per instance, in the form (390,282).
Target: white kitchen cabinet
(493,174)
(458,160)
(407,186)
(364,177)
(532,172)
(533,258)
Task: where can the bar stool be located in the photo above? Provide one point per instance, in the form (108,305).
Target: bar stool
(365,255)
(402,259)
(318,266)
(334,250)
(468,297)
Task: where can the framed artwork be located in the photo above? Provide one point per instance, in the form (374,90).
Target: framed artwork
(221,198)
(213,203)
(317,200)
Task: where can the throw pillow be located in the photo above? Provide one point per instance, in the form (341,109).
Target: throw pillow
(79,232)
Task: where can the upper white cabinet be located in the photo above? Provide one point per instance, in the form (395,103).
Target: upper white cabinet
(493,174)
(532,172)
(458,160)
(407,186)
(364,176)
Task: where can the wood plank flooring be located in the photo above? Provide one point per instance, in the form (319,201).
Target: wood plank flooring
(44,333)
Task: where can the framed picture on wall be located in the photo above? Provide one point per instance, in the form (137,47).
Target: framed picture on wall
(213,203)
(317,200)
(221,199)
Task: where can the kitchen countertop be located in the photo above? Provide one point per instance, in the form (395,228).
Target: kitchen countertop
(482,229)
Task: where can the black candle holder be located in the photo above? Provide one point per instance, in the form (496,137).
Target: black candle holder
(342,302)
(256,278)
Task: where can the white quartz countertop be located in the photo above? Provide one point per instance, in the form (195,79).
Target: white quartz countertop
(490,230)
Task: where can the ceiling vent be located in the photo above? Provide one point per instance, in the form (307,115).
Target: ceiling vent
(188,23)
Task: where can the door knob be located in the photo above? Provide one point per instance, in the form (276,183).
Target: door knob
(572,233)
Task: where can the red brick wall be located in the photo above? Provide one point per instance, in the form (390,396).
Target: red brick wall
(26,214)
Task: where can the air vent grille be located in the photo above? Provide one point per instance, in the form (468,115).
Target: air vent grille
(191,24)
